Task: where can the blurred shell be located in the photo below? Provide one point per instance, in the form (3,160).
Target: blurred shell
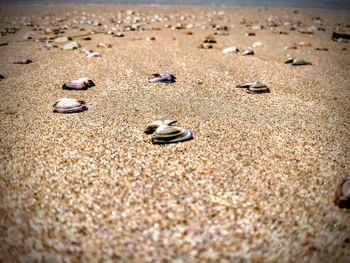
(163,77)
(151,127)
(258,90)
(23,61)
(342,194)
(300,62)
(256,84)
(257,44)
(79,84)
(230,50)
(171,134)
(68,105)
(248,51)
(71,45)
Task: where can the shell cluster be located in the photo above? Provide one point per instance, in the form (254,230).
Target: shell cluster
(255,87)
(163,77)
(68,105)
(342,194)
(165,133)
(79,84)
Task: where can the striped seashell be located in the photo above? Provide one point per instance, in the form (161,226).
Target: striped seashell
(251,84)
(342,194)
(67,105)
(165,134)
(163,77)
(151,127)
(79,84)
(255,87)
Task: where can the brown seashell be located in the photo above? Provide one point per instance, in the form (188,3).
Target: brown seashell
(342,194)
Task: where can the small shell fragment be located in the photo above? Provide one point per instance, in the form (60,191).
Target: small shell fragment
(151,127)
(23,61)
(230,50)
(71,45)
(68,105)
(79,84)
(300,62)
(342,194)
(163,77)
(258,44)
(165,134)
(247,52)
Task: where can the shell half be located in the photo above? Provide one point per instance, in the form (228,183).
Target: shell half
(165,134)
(67,105)
(151,127)
(78,84)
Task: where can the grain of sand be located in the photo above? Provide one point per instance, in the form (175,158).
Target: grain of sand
(255,185)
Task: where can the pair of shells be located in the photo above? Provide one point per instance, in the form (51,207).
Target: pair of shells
(163,77)
(297,62)
(68,105)
(164,132)
(255,87)
(79,84)
(342,194)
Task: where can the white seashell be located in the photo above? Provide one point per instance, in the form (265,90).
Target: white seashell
(163,77)
(71,45)
(171,134)
(94,55)
(247,51)
(79,84)
(230,50)
(257,44)
(68,105)
(151,127)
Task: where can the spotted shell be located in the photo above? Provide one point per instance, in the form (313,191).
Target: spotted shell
(342,194)
(171,134)
(68,105)
(79,84)
(151,127)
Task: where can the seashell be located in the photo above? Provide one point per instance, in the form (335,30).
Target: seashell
(23,61)
(2,76)
(257,44)
(171,134)
(336,36)
(258,89)
(290,47)
(163,77)
(304,44)
(300,62)
(71,45)
(61,39)
(247,52)
(230,50)
(67,105)
(251,84)
(119,34)
(79,84)
(257,27)
(342,194)
(104,45)
(150,38)
(94,55)
(151,127)
(289,60)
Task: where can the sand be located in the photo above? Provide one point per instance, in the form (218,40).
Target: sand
(257,182)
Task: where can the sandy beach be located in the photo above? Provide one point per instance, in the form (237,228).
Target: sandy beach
(257,182)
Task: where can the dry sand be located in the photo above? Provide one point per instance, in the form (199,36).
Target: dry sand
(255,185)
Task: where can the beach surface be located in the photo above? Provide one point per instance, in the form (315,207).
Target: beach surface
(257,182)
